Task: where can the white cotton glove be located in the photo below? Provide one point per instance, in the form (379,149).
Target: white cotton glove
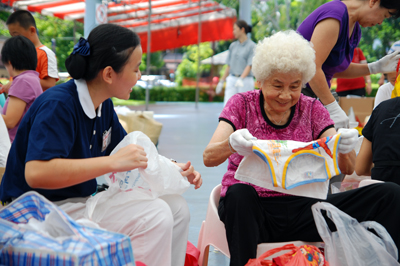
(240,141)
(337,115)
(386,64)
(219,87)
(239,82)
(348,140)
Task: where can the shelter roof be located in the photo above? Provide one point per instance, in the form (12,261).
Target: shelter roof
(174,23)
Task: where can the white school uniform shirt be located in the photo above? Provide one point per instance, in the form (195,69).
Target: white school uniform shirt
(384,93)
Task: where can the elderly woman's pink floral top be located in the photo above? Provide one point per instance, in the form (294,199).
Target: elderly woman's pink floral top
(308,120)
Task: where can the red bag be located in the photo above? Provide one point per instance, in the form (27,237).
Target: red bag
(192,255)
(306,255)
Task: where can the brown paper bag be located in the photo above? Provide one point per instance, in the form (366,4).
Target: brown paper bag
(141,121)
(2,170)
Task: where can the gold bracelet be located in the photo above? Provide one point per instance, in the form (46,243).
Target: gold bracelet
(230,148)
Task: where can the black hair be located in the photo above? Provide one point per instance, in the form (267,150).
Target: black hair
(110,45)
(23,17)
(243,24)
(20,52)
(391,4)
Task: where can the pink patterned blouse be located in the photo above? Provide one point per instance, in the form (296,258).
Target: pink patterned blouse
(308,120)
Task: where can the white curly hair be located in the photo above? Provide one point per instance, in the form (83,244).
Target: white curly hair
(284,51)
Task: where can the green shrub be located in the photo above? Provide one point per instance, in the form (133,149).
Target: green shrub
(174,94)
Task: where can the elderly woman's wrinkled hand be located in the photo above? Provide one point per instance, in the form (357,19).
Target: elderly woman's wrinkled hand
(240,141)
(192,175)
(348,140)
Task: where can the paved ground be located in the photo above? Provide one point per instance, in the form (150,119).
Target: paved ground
(186,132)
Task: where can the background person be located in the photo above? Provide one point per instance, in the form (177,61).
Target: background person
(21,22)
(355,86)
(385,91)
(66,136)
(334,30)
(395,47)
(282,64)
(238,75)
(19,57)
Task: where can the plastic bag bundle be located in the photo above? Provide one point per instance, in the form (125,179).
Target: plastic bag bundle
(352,244)
(161,177)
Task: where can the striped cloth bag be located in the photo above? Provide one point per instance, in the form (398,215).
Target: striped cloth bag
(68,243)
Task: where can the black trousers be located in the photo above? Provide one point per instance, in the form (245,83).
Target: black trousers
(250,220)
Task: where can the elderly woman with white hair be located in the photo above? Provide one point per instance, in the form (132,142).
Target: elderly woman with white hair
(282,64)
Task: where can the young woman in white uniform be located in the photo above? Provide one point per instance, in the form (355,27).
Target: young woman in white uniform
(238,75)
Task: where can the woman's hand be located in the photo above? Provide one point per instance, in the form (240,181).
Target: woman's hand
(240,142)
(193,176)
(130,157)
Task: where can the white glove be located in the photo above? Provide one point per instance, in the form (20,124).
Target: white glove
(386,64)
(348,140)
(219,87)
(239,82)
(337,115)
(240,141)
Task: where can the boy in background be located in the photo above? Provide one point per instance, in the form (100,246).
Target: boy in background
(21,22)
(385,91)
(19,57)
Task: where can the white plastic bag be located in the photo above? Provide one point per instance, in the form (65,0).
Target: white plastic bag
(352,244)
(161,177)
(5,143)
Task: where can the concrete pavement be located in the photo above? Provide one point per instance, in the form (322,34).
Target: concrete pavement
(185,134)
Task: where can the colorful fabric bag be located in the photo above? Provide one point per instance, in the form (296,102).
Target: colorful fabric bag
(306,255)
(34,231)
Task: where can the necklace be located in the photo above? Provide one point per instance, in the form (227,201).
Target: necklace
(276,123)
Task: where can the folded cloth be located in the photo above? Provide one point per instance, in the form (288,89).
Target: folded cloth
(292,167)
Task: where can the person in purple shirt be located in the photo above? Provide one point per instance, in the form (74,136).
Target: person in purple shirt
(334,29)
(19,57)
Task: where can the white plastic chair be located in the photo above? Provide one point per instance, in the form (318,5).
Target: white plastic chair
(212,232)
(366,182)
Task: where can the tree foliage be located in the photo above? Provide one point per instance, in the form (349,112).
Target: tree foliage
(51,28)
(156,61)
(376,41)
(189,65)
(271,16)
(60,31)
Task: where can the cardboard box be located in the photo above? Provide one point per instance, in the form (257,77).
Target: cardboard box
(362,107)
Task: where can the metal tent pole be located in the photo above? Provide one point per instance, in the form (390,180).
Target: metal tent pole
(198,57)
(90,16)
(148,56)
